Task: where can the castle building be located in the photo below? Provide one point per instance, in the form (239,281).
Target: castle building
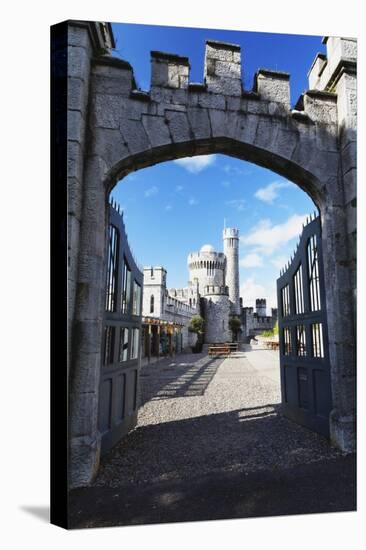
(213,291)
(255,322)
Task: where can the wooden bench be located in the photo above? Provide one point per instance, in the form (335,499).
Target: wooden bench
(273,345)
(222,349)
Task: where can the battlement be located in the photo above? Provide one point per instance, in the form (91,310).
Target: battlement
(215,290)
(203,260)
(326,70)
(231,233)
(154,275)
(171,91)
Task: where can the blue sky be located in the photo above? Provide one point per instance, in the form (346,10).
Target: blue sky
(173,208)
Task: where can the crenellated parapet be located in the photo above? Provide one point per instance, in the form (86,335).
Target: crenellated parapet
(210,290)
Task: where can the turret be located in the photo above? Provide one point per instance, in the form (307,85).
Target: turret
(231,251)
(154,294)
(261,307)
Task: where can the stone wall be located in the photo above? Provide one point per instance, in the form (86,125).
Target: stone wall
(216,313)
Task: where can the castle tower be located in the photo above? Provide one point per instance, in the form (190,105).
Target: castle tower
(206,267)
(154,291)
(231,251)
(261,307)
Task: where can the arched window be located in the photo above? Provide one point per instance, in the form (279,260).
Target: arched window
(152,303)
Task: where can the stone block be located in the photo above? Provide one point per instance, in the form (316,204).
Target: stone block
(78,63)
(107,111)
(169,71)
(255,106)
(157,130)
(74,160)
(75,126)
(73,234)
(84,460)
(349,157)
(87,333)
(178,126)
(218,122)
(313,75)
(273,86)
(351,213)
(321,106)
(163,107)
(134,135)
(327,137)
(120,84)
(227,70)
(78,36)
(77,94)
(86,376)
(169,95)
(84,417)
(222,74)
(235,104)
(286,142)
(350,185)
(199,122)
(247,127)
(211,101)
(110,145)
(266,134)
(222,85)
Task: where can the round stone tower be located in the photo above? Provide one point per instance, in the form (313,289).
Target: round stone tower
(217,314)
(231,251)
(206,267)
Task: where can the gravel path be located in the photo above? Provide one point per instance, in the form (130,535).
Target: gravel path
(204,415)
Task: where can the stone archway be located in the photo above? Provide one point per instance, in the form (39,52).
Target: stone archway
(115,129)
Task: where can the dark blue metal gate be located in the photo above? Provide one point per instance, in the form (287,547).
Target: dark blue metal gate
(304,356)
(121,349)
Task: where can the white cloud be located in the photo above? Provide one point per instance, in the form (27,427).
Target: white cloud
(196,164)
(226,183)
(238,204)
(270,192)
(236,171)
(168,207)
(192,201)
(267,238)
(179,188)
(250,290)
(279,261)
(251,260)
(151,191)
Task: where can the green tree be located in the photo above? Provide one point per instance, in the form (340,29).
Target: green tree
(197,325)
(235,327)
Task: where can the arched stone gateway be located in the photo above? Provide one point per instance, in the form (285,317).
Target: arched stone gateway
(114,129)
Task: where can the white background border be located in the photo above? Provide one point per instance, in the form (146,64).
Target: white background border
(25,272)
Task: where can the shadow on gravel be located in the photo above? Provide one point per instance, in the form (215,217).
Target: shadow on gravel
(247,462)
(177,379)
(326,486)
(247,439)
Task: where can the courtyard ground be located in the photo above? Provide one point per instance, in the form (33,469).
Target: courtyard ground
(211,443)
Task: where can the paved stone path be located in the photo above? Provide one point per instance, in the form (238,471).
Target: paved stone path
(205,420)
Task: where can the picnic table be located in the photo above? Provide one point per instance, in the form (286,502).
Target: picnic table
(222,349)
